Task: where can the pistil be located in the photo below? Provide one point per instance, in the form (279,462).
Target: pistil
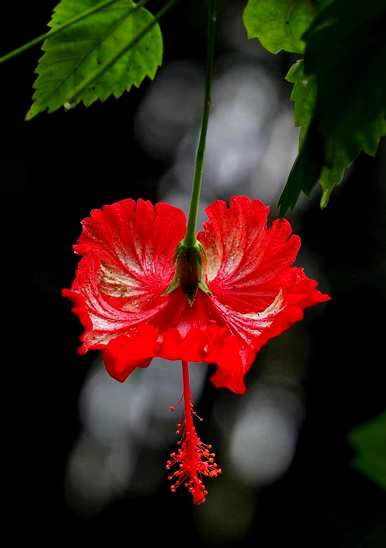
(193,459)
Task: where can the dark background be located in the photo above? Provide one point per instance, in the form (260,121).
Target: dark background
(56,168)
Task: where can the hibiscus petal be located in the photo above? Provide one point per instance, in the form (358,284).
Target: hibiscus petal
(256,291)
(244,257)
(103,321)
(232,237)
(128,250)
(233,362)
(190,347)
(136,239)
(250,325)
(301,293)
(124,353)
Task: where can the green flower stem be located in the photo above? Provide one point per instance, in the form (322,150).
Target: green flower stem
(68,23)
(106,66)
(190,237)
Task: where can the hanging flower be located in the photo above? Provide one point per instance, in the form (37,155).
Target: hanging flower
(140,292)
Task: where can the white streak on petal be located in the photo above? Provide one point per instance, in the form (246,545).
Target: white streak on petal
(116,283)
(252,324)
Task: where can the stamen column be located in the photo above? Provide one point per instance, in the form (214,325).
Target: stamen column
(193,459)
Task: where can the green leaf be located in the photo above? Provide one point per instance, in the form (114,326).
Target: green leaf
(304,97)
(279,24)
(76,53)
(369,440)
(346,59)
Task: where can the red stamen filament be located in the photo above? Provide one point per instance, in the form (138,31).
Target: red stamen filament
(193,459)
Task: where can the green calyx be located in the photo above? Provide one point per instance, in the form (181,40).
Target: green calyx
(189,271)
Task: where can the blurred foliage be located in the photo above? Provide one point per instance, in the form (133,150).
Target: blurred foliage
(369,440)
(345,57)
(339,94)
(74,54)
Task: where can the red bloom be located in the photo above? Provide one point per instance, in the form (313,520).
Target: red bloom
(120,289)
(140,293)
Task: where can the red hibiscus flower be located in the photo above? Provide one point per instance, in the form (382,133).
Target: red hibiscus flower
(140,293)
